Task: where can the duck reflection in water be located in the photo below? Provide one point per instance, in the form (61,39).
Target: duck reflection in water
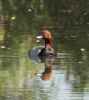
(47,74)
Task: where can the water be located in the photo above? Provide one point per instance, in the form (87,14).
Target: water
(65,77)
(22,78)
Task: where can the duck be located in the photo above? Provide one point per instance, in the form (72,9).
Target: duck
(47,50)
(43,51)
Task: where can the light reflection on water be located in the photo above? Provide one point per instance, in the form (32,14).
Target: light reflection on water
(19,81)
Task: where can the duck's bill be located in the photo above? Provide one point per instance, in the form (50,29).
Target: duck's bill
(39,37)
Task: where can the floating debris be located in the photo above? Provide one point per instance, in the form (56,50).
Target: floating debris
(66,11)
(2,47)
(82,49)
(29,10)
(13,18)
(80,62)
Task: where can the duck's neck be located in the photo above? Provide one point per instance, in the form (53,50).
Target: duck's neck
(48,45)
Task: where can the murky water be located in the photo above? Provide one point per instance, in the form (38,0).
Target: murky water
(22,78)
(65,77)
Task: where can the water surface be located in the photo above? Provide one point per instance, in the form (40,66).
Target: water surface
(65,77)
(21,76)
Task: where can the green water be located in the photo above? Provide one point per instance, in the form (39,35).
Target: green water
(23,78)
(20,75)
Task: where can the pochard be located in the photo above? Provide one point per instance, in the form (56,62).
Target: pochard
(43,51)
(47,50)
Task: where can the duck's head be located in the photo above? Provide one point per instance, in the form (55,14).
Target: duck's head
(45,34)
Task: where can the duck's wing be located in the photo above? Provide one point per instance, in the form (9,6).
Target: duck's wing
(33,53)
